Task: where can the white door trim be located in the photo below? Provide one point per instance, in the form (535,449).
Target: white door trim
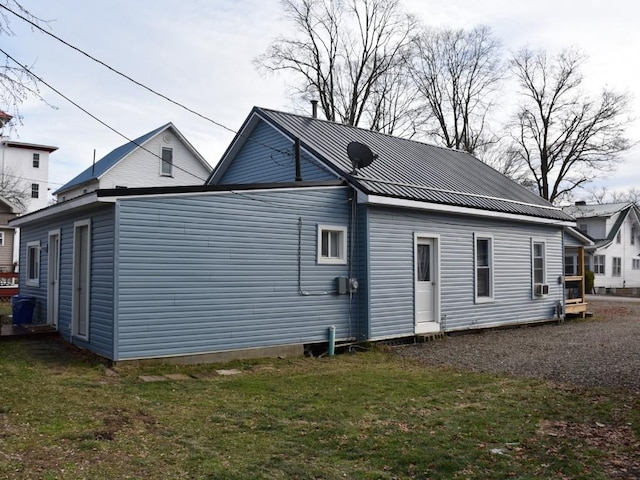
(434,239)
(83,263)
(53,277)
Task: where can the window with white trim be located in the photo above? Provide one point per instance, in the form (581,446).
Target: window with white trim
(36,160)
(633,236)
(635,263)
(619,237)
(599,264)
(33,264)
(539,264)
(332,244)
(616,267)
(166,162)
(1,238)
(484,268)
(35,190)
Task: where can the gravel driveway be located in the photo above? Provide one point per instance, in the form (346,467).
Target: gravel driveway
(602,351)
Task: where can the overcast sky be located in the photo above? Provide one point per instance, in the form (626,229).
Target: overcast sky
(200,52)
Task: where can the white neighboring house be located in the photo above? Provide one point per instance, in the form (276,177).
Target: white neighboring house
(615,256)
(30,163)
(160,158)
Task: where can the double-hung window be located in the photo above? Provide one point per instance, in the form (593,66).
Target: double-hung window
(35,190)
(484,268)
(616,267)
(539,268)
(33,264)
(332,244)
(599,264)
(36,160)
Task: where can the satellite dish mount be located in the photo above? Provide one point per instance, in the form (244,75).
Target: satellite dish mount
(360,155)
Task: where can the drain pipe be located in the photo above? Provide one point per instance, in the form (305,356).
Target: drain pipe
(296,154)
(332,340)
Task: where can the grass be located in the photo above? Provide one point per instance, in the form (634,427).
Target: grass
(362,416)
(5,312)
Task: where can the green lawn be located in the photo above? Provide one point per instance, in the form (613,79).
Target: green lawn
(362,416)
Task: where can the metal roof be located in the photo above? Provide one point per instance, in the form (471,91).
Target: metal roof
(109,160)
(412,170)
(589,211)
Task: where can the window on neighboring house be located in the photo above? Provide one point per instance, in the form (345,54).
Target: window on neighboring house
(583,227)
(35,190)
(484,269)
(1,239)
(166,164)
(619,237)
(539,274)
(332,244)
(616,267)
(599,264)
(636,263)
(587,262)
(633,236)
(36,160)
(33,264)
(571,265)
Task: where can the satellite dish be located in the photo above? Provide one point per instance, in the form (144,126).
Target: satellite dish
(360,155)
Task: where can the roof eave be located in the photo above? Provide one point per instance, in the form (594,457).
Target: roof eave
(447,208)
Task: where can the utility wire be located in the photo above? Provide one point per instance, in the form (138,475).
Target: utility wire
(26,69)
(149,89)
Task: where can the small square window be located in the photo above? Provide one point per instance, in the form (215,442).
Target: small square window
(332,244)
(36,160)
(35,190)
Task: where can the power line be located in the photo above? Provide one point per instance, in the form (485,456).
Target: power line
(149,89)
(26,69)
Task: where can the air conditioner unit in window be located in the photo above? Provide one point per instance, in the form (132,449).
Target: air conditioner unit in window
(541,289)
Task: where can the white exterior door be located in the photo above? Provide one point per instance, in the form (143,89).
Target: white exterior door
(81,276)
(53,276)
(426,286)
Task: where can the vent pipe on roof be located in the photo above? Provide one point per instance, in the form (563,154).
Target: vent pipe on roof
(314,108)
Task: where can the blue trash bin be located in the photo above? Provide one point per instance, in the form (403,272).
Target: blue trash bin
(22,306)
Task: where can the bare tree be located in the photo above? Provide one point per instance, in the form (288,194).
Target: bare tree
(16,83)
(506,160)
(457,73)
(564,137)
(346,53)
(14,189)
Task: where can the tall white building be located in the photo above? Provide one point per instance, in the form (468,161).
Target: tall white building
(28,164)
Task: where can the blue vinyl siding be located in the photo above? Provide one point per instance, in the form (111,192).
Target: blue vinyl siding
(257,163)
(101,296)
(391,279)
(216,272)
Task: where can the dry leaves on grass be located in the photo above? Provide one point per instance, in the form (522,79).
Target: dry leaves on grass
(618,444)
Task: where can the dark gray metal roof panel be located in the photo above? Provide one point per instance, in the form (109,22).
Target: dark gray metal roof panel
(413,170)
